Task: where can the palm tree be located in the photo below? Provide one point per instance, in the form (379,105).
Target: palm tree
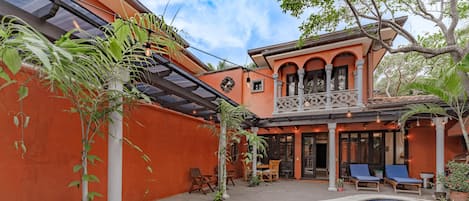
(231,120)
(449,88)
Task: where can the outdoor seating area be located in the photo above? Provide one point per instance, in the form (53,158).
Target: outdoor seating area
(293,190)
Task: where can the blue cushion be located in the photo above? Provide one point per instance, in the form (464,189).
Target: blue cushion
(406,180)
(366,178)
(396,171)
(359,170)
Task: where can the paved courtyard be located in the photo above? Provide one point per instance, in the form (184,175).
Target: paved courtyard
(294,190)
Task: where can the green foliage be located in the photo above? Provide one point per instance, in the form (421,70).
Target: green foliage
(255,181)
(458,177)
(340,183)
(92,195)
(218,196)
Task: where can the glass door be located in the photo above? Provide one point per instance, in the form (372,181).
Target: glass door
(309,156)
(281,147)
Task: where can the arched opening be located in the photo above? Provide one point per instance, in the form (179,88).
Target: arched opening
(342,77)
(288,74)
(314,80)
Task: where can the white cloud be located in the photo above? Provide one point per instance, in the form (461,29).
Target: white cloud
(228,28)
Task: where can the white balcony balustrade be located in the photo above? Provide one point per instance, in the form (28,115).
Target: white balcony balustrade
(318,101)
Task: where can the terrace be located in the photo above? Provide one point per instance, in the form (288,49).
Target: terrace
(294,190)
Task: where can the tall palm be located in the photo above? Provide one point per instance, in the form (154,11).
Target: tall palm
(449,88)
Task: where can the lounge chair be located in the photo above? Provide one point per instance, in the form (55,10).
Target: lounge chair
(199,181)
(398,177)
(360,176)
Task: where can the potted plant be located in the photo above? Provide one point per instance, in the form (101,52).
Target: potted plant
(457,181)
(255,181)
(340,184)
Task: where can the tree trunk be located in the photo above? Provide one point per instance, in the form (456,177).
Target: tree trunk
(222,159)
(84,182)
(463,75)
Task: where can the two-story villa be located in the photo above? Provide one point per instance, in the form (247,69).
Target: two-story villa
(319,115)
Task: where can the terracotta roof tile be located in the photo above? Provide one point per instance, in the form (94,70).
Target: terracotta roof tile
(377,102)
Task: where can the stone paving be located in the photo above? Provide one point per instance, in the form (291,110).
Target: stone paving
(300,190)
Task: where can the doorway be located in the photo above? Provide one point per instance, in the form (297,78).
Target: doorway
(314,156)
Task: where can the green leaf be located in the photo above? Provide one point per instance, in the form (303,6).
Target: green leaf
(115,49)
(4,75)
(22,92)
(16,121)
(149,169)
(77,168)
(42,56)
(90,178)
(91,195)
(74,184)
(12,59)
(26,121)
(93,158)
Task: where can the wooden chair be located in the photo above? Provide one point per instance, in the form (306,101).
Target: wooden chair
(272,173)
(230,174)
(199,181)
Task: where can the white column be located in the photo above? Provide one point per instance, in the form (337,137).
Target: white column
(440,149)
(254,153)
(332,127)
(275,76)
(115,138)
(359,82)
(301,74)
(328,85)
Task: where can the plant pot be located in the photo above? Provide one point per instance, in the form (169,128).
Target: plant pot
(458,196)
(440,195)
(340,189)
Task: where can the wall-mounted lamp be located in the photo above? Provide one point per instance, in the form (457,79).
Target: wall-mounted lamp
(378,118)
(349,114)
(148,49)
(418,122)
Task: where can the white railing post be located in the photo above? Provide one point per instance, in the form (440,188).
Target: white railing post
(328,85)
(359,83)
(332,127)
(301,73)
(440,149)
(275,76)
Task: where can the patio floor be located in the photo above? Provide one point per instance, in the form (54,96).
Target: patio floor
(296,190)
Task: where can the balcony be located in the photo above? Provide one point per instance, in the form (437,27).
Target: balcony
(334,100)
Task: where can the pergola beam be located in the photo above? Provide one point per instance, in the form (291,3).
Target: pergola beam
(46,12)
(172,88)
(42,26)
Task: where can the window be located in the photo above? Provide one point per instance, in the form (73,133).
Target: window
(315,81)
(257,86)
(234,152)
(292,85)
(339,78)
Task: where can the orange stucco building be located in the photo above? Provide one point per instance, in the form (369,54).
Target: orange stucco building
(302,98)
(318,113)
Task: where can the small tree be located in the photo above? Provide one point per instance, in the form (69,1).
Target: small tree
(231,119)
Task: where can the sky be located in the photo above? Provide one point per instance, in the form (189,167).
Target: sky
(229,28)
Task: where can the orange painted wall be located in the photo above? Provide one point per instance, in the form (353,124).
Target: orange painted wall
(214,80)
(53,142)
(422,149)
